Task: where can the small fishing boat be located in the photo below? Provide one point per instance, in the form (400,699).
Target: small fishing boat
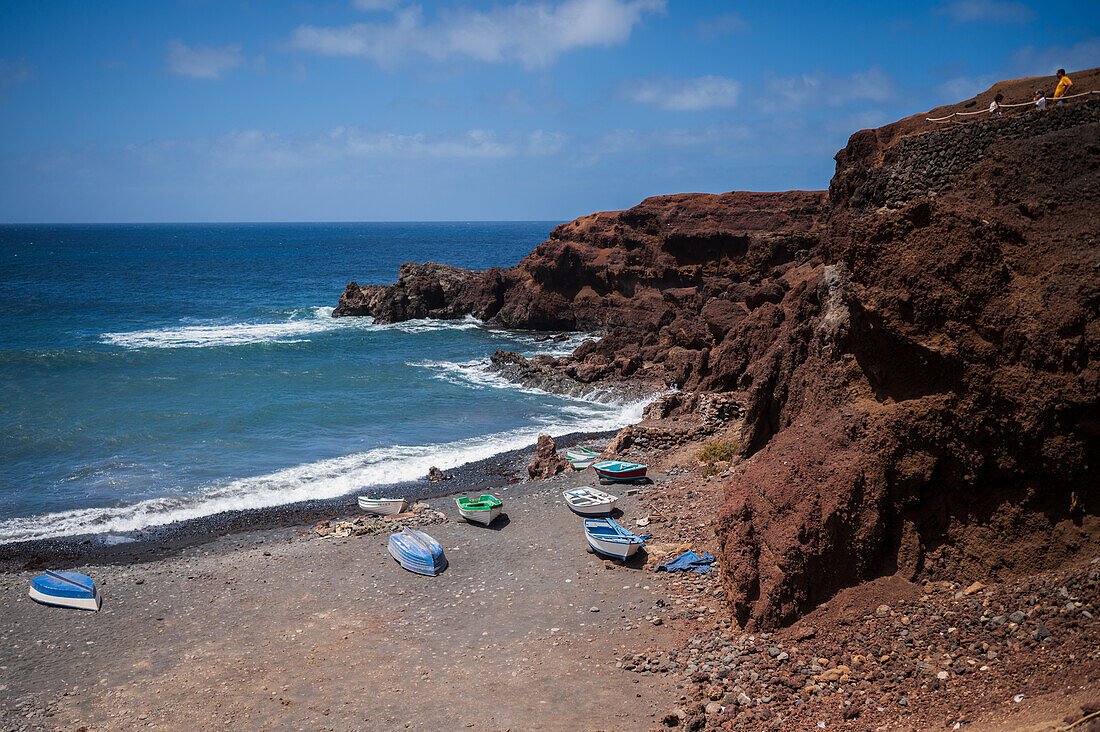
(581,457)
(481,510)
(617,470)
(607,537)
(383,506)
(417,552)
(589,501)
(66,589)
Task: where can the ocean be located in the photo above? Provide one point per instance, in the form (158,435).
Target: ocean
(157,373)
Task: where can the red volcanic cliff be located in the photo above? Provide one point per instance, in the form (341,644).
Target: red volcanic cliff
(913,356)
(928,402)
(668,277)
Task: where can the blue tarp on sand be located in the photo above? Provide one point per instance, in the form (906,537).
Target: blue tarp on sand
(689,562)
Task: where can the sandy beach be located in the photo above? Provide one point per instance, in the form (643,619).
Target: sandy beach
(866,393)
(280,628)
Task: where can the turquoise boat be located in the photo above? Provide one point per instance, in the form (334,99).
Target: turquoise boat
(619,471)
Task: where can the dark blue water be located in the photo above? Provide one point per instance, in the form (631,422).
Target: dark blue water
(153,373)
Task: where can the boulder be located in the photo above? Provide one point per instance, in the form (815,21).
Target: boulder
(547,462)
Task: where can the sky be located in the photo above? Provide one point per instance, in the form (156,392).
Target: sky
(386,110)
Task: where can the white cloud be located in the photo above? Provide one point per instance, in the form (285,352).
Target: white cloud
(534,34)
(203,62)
(821,88)
(963,87)
(262,149)
(1033,62)
(987,11)
(721,25)
(1027,61)
(682,95)
(375,4)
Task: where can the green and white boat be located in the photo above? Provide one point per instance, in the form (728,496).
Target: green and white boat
(481,510)
(581,457)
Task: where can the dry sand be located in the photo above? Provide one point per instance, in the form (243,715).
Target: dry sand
(276,630)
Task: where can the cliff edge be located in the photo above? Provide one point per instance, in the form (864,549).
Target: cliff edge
(909,360)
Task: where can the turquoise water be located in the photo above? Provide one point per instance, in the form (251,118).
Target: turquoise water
(153,373)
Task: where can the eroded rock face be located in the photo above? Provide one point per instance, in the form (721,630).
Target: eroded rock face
(547,462)
(913,361)
(927,403)
(429,290)
(664,281)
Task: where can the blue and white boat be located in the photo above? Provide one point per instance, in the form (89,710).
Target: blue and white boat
(617,470)
(608,538)
(417,552)
(66,589)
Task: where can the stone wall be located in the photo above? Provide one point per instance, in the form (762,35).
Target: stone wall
(918,165)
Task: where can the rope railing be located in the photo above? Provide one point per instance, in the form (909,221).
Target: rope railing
(953,115)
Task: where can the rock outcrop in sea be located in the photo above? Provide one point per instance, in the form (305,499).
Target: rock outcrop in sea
(909,358)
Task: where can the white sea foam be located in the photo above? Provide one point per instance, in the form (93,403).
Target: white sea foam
(473,375)
(322,479)
(542,344)
(478,374)
(298,328)
(227,334)
(427,325)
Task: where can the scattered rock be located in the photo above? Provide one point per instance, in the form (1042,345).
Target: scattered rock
(547,462)
(435,475)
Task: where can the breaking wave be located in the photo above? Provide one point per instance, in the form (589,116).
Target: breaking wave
(302,324)
(329,478)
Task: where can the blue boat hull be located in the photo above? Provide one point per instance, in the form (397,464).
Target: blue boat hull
(66,589)
(418,552)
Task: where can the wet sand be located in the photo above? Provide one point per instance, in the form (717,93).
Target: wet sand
(277,629)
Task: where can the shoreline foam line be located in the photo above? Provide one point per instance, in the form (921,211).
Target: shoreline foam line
(293,330)
(331,478)
(477,374)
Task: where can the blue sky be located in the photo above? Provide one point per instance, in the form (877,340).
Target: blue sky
(384,110)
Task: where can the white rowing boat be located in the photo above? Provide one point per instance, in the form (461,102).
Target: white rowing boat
(589,501)
(383,506)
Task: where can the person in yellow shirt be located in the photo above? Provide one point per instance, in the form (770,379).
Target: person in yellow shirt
(1063,86)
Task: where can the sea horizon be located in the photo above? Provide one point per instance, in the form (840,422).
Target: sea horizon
(200,370)
(281,222)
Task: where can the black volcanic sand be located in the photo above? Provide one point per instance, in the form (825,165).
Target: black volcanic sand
(271,628)
(160,541)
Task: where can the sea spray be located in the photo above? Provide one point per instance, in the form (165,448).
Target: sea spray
(296,328)
(322,479)
(158,372)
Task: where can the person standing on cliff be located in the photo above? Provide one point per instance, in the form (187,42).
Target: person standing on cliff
(1040,99)
(1064,84)
(995,105)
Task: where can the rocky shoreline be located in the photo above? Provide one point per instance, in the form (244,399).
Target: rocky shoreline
(160,542)
(906,362)
(880,417)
